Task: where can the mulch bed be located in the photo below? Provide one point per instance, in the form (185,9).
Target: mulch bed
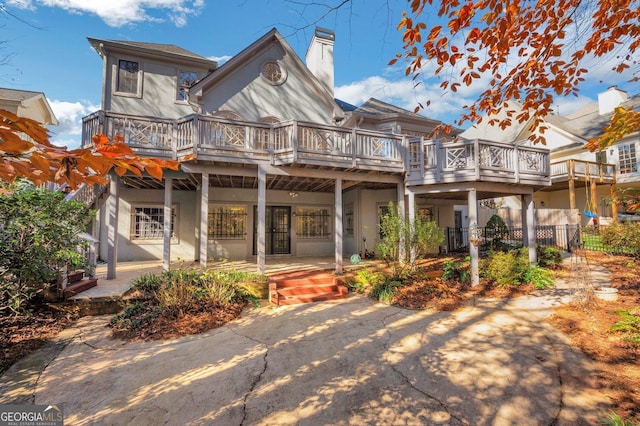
(25,334)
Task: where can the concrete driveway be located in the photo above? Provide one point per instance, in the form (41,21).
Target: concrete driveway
(343,362)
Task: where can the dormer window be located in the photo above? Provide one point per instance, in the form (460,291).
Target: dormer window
(273,72)
(128,76)
(186,79)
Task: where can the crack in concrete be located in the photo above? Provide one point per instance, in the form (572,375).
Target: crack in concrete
(258,378)
(556,361)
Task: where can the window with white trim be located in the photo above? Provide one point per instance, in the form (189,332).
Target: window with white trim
(227,223)
(627,159)
(147,223)
(313,223)
(128,77)
(186,79)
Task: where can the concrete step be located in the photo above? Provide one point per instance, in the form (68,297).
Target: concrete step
(305,287)
(79,286)
(308,298)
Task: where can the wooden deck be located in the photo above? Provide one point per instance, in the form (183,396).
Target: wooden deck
(294,143)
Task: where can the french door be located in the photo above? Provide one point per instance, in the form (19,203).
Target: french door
(277,230)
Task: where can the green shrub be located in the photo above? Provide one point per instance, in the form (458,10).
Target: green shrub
(385,290)
(622,237)
(614,419)
(457,270)
(504,268)
(418,237)
(548,257)
(147,283)
(512,268)
(39,235)
(629,325)
(365,279)
(538,276)
(495,231)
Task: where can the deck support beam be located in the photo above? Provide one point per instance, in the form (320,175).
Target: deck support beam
(527,204)
(338,225)
(204,218)
(411,209)
(112,226)
(472,202)
(262,212)
(166,234)
(402,215)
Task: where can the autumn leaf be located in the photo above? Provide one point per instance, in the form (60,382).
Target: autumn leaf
(39,161)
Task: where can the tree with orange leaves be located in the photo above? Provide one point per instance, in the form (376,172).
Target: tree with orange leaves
(26,152)
(523,50)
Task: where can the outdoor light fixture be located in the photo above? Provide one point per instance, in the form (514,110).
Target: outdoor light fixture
(475,234)
(293,194)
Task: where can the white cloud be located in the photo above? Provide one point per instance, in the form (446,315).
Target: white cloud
(445,106)
(117,13)
(220,59)
(69,114)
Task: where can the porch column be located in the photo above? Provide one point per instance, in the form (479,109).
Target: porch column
(166,248)
(262,211)
(572,186)
(338,225)
(523,219)
(402,214)
(472,202)
(531,227)
(411,208)
(594,198)
(614,206)
(204,219)
(112,226)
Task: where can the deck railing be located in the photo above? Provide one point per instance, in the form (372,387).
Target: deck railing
(583,170)
(296,142)
(441,162)
(211,138)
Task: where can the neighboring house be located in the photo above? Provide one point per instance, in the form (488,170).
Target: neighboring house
(271,163)
(28,104)
(581,179)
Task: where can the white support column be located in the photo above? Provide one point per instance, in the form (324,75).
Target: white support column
(262,212)
(401,213)
(338,225)
(204,218)
(166,248)
(411,208)
(472,201)
(112,226)
(523,219)
(531,228)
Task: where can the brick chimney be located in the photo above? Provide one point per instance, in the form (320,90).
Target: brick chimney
(320,57)
(609,100)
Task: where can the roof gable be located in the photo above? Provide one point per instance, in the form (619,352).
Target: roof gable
(151,49)
(29,104)
(241,77)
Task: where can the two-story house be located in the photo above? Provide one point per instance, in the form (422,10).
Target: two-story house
(271,163)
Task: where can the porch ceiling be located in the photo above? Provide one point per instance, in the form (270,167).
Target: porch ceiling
(190,182)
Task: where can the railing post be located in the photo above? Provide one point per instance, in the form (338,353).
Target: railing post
(476,157)
(294,141)
(439,161)
(174,138)
(354,147)
(195,134)
(516,163)
(422,157)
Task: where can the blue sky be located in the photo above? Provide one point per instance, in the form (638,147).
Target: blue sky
(46,41)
